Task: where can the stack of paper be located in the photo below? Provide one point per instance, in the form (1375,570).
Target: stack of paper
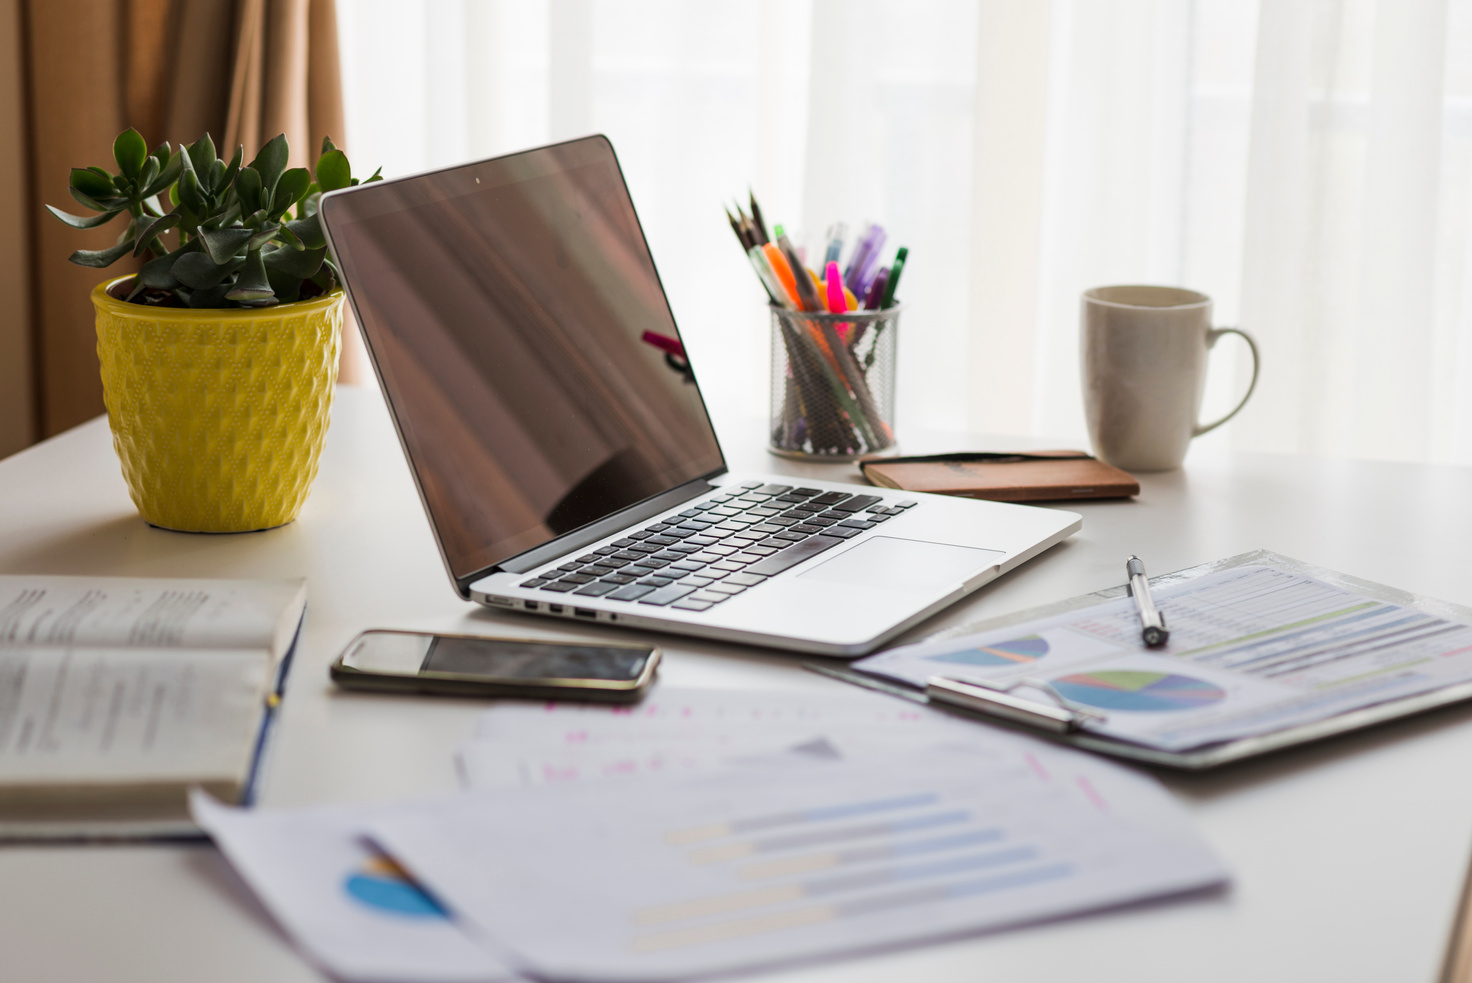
(705,832)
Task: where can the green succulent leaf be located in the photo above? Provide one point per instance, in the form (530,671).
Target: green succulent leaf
(264,235)
(99,258)
(288,238)
(91,183)
(248,187)
(202,154)
(375,176)
(309,231)
(217,175)
(299,264)
(326,277)
(290,189)
(287,288)
(233,169)
(130,151)
(327,145)
(84,221)
(190,194)
(149,229)
(197,270)
(167,175)
(227,218)
(157,273)
(210,299)
(252,286)
(163,153)
(270,163)
(310,202)
(109,204)
(333,171)
(149,172)
(223,244)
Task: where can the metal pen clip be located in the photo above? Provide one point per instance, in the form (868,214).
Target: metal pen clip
(1062,717)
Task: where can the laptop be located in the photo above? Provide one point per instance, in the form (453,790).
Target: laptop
(564,456)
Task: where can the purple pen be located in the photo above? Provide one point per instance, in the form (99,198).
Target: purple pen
(862,245)
(866,258)
(864,277)
(876,290)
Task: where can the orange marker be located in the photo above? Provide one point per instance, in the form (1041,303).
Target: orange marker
(784,274)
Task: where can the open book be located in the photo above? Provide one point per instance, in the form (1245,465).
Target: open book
(119,693)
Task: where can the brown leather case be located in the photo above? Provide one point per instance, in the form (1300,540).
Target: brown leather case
(1037,476)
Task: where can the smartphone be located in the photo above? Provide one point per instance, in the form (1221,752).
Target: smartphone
(471,665)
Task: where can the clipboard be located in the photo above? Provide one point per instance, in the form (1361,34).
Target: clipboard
(1061,724)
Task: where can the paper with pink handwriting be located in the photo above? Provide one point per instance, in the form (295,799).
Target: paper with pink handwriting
(685,730)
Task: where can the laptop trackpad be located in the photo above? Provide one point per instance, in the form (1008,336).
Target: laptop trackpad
(905,564)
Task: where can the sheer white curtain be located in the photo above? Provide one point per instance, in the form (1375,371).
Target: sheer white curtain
(1308,163)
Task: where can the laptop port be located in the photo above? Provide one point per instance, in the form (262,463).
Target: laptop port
(585,613)
(532,605)
(555,608)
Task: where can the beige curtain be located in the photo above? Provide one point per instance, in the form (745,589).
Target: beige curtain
(243,70)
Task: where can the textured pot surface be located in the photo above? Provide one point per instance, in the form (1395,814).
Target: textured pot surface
(218,416)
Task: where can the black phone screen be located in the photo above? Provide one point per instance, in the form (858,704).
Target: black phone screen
(496,658)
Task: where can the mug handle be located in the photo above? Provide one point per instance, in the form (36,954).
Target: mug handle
(1211,337)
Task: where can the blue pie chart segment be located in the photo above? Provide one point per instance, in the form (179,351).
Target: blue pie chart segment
(382,887)
(1138,692)
(1016,651)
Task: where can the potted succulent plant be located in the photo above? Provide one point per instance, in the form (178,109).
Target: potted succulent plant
(220,355)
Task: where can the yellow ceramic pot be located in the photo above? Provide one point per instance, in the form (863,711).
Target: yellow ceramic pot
(218,416)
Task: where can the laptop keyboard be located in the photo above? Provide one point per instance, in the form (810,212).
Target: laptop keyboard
(719,547)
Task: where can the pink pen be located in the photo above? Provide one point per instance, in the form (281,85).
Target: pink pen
(837,304)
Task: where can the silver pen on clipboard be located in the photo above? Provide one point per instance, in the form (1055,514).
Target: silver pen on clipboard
(1152,622)
(1064,716)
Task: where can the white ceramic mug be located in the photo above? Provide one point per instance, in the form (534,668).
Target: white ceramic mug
(1143,352)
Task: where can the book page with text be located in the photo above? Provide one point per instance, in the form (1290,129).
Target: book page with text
(124,715)
(149,612)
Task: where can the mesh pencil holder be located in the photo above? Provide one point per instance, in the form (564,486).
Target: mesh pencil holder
(833,383)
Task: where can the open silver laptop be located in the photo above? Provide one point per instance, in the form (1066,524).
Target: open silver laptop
(566,461)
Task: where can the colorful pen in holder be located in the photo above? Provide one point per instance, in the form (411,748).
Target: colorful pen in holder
(833,381)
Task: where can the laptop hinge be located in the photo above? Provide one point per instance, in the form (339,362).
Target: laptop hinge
(603,528)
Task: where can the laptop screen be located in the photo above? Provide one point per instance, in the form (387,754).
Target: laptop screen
(524,344)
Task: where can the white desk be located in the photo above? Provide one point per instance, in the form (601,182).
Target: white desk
(1348,856)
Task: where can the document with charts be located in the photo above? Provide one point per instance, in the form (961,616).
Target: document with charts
(676,730)
(349,908)
(1253,649)
(671,877)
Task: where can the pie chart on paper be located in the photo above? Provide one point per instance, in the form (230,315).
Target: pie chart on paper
(1016,651)
(381,886)
(1138,692)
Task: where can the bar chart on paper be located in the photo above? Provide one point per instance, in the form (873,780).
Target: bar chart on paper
(840,861)
(673,877)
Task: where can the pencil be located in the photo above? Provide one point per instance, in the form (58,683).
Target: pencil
(740,232)
(756,218)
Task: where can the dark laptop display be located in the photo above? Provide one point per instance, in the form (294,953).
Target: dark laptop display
(525,344)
